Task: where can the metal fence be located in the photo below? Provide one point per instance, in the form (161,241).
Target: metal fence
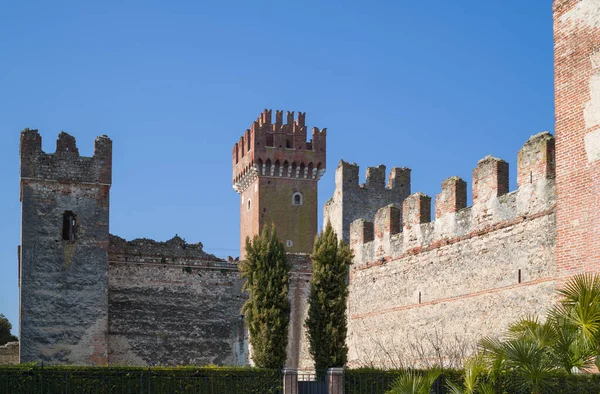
(312,382)
(56,381)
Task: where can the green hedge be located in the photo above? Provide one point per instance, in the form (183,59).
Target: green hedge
(376,381)
(124,380)
(369,380)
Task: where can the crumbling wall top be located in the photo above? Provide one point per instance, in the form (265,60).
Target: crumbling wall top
(155,251)
(65,164)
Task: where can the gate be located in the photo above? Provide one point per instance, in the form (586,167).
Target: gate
(310,382)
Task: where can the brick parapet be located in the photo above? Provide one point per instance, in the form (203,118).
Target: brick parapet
(278,150)
(65,164)
(497,210)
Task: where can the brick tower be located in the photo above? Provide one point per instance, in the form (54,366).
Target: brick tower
(276,173)
(577,106)
(63,262)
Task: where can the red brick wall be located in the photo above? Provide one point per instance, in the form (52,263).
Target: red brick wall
(577,106)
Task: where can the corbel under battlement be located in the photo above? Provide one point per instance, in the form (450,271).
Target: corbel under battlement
(396,232)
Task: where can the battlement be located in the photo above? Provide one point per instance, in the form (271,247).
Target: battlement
(279,149)
(494,207)
(352,200)
(347,177)
(65,164)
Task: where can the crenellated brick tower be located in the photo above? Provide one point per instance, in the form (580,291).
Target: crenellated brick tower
(276,172)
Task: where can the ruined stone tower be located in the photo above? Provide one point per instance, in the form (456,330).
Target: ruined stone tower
(577,106)
(276,171)
(63,261)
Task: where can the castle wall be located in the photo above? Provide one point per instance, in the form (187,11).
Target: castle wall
(63,276)
(298,353)
(170,303)
(352,200)
(463,276)
(9,353)
(577,111)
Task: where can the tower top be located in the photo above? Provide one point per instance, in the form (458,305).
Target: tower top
(65,164)
(278,149)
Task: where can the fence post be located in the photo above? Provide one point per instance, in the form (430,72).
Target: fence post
(335,381)
(290,381)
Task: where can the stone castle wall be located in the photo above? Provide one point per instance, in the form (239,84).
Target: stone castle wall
(9,353)
(461,277)
(170,303)
(352,200)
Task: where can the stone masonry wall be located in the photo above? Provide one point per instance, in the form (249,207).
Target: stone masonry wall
(170,303)
(351,200)
(298,346)
(63,273)
(9,353)
(466,275)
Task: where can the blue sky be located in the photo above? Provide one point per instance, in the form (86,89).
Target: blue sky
(432,85)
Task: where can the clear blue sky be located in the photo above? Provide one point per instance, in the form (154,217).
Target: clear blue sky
(432,85)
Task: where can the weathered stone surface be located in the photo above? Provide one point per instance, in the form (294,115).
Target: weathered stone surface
(467,274)
(9,353)
(64,302)
(173,304)
(352,201)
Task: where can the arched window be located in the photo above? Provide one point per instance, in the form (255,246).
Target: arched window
(288,144)
(268,169)
(294,168)
(286,167)
(276,169)
(297,198)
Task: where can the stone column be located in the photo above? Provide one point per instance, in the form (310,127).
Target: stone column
(335,381)
(290,381)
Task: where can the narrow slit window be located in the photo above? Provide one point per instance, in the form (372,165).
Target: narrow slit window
(69,226)
(519,276)
(419,297)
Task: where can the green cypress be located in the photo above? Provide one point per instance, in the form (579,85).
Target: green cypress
(327,322)
(267,309)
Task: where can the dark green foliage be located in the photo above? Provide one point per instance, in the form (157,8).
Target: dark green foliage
(5,327)
(113,380)
(268,308)
(369,380)
(327,324)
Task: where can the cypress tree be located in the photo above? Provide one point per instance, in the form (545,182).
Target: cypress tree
(327,323)
(267,309)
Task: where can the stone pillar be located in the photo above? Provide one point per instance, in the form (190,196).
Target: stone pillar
(290,381)
(335,381)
